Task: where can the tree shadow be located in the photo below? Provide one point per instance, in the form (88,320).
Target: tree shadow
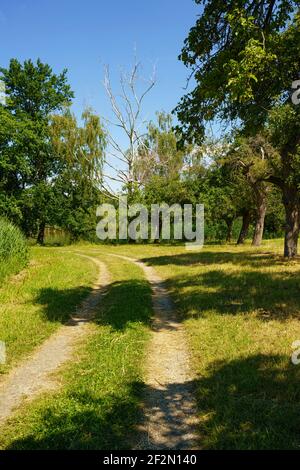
(170,417)
(110,422)
(126,303)
(270,295)
(59,304)
(250,403)
(247,403)
(243,258)
(87,423)
(120,304)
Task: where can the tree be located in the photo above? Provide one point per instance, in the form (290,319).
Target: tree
(127,110)
(80,149)
(284,131)
(253,156)
(228,197)
(158,153)
(33,93)
(15,171)
(244,57)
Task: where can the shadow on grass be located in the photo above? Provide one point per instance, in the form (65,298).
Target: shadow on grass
(250,403)
(243,258)
(86,423)
(247,403)
(106,423)
(59,304)
(117,308)
(272,294)
(100,408)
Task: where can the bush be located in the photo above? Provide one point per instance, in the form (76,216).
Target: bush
(13,249)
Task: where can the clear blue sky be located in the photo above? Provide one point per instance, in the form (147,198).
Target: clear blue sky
(84,35)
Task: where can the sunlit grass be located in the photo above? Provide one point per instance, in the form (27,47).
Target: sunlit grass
(241,309)
(35,302)
(99,405)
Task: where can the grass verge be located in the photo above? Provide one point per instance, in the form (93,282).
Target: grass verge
(34,303)
(99,405)
(241,309)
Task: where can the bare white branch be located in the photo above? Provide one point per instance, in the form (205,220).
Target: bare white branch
(126,108)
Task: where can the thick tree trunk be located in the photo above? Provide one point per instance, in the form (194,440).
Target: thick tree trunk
(291,204)
(261,208)
(245,227)
(41,233)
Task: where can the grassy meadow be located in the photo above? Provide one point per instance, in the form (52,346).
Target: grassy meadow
(99,405)
(35,302)
(240,308)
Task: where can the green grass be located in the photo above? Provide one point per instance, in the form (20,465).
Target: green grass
(99,405)
(13,249)
(34,303)
(241,309)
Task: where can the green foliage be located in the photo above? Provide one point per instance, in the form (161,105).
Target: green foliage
(76,189)
(50,167)
(13,249)
(34,90)
(158,153)
(244,57)
(27,161)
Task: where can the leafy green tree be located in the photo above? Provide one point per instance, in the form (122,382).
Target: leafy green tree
(250,156)
(244,57)
(158,152)
(33,93)
(76,188)
(15,135)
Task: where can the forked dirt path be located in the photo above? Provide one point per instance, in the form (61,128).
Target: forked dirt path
(35,374)
(170,411)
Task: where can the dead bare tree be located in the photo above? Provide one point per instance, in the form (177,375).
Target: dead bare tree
(126,107)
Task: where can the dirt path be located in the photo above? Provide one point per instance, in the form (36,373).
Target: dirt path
(170,408)
(35,374)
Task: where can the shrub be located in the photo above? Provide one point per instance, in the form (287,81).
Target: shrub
(13,249)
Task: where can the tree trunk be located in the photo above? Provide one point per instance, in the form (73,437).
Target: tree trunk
(245,227)
(291,204)
(229,223)
(261,208)
(41,233)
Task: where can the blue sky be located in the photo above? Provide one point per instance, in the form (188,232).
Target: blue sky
(85,35)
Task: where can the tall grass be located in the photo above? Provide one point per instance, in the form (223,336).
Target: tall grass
(13,249)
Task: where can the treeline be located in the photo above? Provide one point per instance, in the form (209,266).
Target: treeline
(50,165)
(218,173)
